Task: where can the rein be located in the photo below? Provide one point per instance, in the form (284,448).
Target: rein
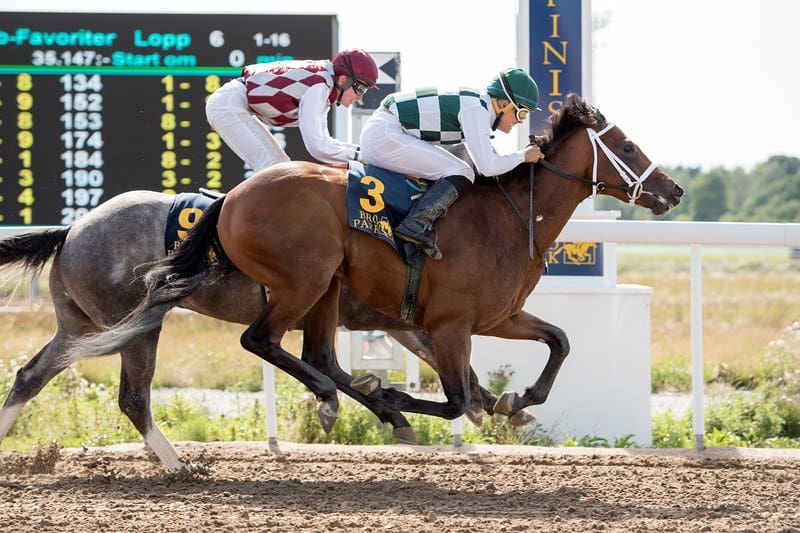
(532,244)
(633,189)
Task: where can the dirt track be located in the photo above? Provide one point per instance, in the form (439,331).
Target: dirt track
(293,487)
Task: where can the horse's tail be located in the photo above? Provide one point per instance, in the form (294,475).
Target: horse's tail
(32,250)
(199,257)
(168,281)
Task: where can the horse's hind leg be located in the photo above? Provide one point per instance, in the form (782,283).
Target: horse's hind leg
(136,375)
(452,348)
(31,379)
(51,359)
(319,329)
(263,338)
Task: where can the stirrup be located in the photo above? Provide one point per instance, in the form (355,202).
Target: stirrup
(420,239)
(433,251)
(428,246)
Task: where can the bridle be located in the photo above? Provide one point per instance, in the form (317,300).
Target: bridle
(634,188)
(635,183)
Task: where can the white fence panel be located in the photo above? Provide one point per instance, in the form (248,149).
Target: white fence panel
(693,234)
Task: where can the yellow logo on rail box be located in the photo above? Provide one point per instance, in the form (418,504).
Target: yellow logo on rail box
(572,253)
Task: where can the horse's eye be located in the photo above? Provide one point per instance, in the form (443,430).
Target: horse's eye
(629,147)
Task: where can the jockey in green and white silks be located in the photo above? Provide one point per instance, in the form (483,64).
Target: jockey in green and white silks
(405,132)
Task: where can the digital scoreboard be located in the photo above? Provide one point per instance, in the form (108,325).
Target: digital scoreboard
(95,104)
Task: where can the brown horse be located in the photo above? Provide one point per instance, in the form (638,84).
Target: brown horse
(287,228)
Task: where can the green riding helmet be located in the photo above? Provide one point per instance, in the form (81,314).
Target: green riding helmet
(516,85)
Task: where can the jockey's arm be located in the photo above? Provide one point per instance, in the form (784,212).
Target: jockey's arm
(313,123)
(475,124)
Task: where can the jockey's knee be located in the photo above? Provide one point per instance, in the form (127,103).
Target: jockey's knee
(466,171)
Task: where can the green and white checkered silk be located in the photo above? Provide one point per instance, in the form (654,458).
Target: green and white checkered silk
(431,114)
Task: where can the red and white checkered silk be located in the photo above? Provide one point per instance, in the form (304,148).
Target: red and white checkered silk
(274,89)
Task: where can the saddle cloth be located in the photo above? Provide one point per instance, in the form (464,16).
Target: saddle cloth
(184,213)
(377,201)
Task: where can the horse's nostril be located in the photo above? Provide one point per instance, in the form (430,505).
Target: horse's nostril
(677,192)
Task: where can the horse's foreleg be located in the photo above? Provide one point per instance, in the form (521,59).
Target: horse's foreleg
(419,343)
(452,347)
(523,325)
(136,375)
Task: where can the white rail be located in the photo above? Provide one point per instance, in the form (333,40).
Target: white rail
(694,234)
(660,232)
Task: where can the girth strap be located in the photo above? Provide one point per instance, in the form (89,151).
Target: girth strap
(408,309)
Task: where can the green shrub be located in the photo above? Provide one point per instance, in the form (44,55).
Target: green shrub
(182,420)
(499,379)
(742,420)
(672,432)
(671,374)
(431,430)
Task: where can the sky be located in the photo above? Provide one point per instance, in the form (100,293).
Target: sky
(703,83)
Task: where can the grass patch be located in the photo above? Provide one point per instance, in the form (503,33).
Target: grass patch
(749,297)
(765,415)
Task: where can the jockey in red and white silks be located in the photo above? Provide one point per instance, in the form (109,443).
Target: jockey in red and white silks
(289,94)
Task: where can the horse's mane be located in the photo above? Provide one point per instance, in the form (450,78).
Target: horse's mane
(576,113)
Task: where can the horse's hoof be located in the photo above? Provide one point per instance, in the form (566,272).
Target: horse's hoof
(521,418)
(505,403)
(475,416)
(366,384)
(197,469)
(405,434)
(327,414)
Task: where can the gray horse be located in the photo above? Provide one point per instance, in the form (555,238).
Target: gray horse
(94,282)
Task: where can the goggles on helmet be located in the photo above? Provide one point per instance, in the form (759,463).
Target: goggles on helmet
(359,88)
(521,112)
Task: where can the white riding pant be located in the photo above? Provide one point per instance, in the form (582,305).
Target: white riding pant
(227,112)
(386,144)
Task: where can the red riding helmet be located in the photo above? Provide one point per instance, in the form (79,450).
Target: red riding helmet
(356,64)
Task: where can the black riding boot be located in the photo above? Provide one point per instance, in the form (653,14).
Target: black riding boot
(429,209)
